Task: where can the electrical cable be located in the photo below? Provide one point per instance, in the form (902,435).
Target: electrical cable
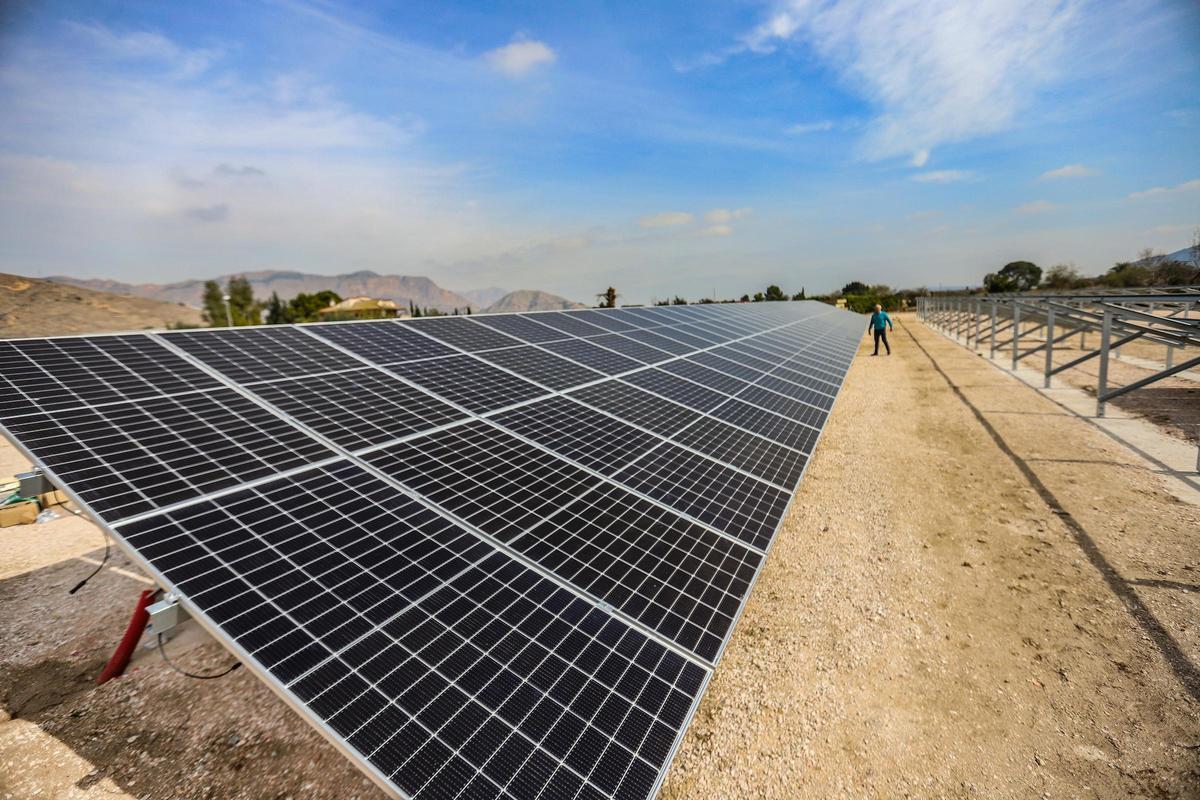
(96,571)
(187,674)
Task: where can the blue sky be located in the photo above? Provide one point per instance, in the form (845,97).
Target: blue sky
(664,148)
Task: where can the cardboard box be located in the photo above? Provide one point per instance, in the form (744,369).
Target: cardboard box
(18,513)
(55,498)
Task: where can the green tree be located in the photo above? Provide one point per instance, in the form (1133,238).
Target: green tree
(1016,276)
(305,307)
(1126,275)
(745,298)
(609,298)
(1062,276)
(242,305)
(213,305)
(679,301)
(278,312)
(799,295)
(775,293)
(759,297)
(705,301)
(855,287)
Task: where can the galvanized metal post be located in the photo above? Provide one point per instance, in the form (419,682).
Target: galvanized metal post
(1049,346)
(992,335)
(1170,356)
(978,321)
(1016,340)
(1102,381)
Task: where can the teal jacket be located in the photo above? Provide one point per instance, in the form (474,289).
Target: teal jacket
(881,321)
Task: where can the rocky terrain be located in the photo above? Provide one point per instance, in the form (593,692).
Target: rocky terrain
(530,300)
(32,307)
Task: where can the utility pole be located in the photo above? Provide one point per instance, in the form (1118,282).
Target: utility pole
(228,310)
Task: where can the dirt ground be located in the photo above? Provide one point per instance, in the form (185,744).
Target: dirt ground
(974,595)
(33,307)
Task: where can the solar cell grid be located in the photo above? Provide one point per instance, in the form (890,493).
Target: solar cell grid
(579,433)
(545,368)
(508,623)
(721,363)
(609,320)
(705,376)
(473,384)
(675,388)
(485,476)
(571,324)
(590,355)
(49,374)
(525,328)
(664,339)
(246,355)
(741,506)
(628,346)
(770,425)
(384,342)
(747,451)
(824,385)
(795,391)
(498,679)
(358,408)
(671,575)
(130,458)
(698,338)
(795,410)
(639,407)
(461,332)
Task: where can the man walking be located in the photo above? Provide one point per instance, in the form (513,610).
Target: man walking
(880,322)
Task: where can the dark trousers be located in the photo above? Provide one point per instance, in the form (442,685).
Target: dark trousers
(882,336)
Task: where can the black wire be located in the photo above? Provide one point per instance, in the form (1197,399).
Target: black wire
(96,571)
(187,674)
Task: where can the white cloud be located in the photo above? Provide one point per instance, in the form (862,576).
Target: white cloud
(811,127)
(725,215)
(944,176)
(716,230)
(1187,186)
(938,71)
(1070,171)
(666,219)
(1037,207)
(146,46)
(520,56)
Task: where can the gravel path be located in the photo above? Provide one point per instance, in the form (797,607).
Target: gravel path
(927,626)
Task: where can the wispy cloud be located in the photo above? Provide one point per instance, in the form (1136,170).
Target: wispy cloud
(244,171)
(726,215)
(1069,171)
(214,213)
(939,71)
(1037,207)
(520,57)
(944,176)
(811,127)
(1186,186)
(146,46)
(666,219)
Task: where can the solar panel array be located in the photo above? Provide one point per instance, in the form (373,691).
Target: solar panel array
(488,556)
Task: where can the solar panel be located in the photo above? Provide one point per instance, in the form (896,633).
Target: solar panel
(476,562)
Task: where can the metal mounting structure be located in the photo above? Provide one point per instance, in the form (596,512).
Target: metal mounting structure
(1166,316)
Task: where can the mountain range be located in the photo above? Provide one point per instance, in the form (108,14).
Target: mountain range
(403,289)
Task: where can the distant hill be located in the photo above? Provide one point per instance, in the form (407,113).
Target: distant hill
(482,298)
(531,300)
(32,307)
(400,288)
